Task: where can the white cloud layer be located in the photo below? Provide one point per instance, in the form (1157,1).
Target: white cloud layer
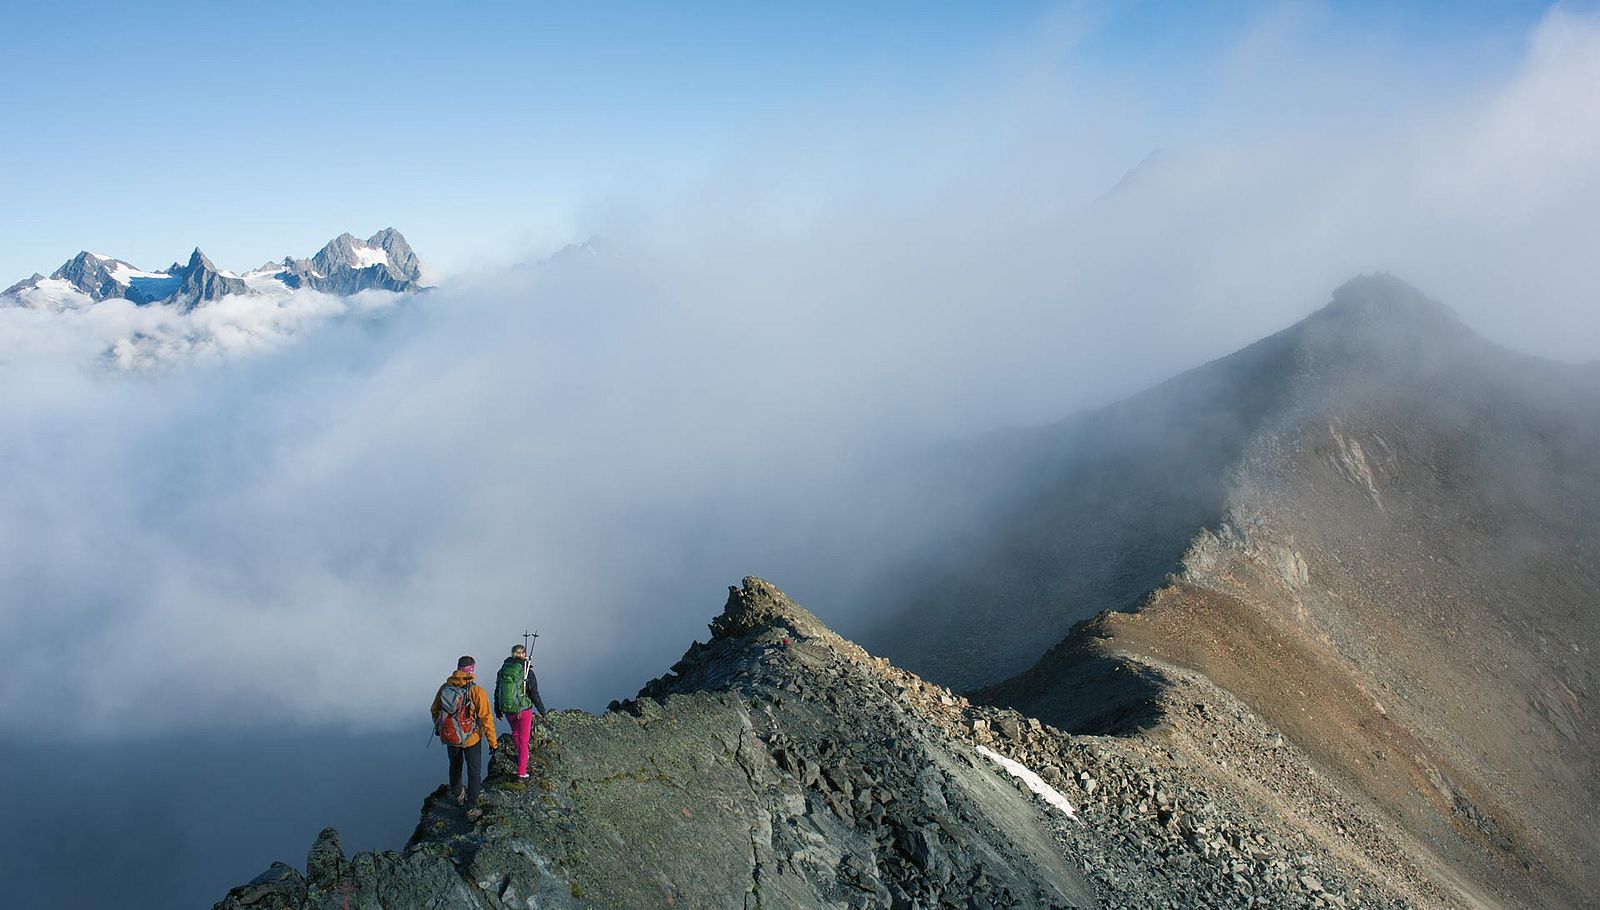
(315,515)
(119,335)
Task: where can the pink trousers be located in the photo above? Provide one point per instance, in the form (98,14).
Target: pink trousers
(521,731)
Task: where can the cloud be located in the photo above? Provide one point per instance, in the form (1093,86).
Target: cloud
(309,512)
(121,335)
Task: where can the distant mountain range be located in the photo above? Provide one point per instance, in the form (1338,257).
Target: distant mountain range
(346,265)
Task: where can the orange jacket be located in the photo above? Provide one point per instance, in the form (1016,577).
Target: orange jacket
(480,702)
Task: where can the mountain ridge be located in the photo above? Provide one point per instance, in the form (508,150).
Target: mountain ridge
(344,266)
(1377,492)
(780,765)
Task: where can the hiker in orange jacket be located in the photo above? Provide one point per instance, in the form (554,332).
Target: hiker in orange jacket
(462,719)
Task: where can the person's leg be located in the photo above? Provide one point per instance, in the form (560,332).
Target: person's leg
(455,768)
(521,729)
(474,755)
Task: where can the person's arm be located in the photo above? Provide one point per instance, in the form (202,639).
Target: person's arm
(486,719)
(533,693)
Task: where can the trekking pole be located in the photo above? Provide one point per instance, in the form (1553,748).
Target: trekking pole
(527,647)
(432,734)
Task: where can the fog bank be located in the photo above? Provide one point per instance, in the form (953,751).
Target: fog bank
(740,384)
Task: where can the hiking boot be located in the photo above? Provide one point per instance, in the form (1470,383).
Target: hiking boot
(460,796)
(474,814)
(522,777)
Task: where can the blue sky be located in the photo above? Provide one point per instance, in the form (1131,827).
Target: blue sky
(140,130)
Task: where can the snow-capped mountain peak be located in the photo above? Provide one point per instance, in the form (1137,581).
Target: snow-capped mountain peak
(346,265)
(346,251)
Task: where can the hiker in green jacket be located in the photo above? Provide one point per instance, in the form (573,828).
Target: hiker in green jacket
(516,695)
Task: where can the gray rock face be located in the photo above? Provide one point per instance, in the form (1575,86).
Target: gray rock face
(779,766)
(401,257)
(347,265)
(89,274)
(199,282)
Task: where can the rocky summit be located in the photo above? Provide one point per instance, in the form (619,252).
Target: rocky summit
(778,765)
(343,267)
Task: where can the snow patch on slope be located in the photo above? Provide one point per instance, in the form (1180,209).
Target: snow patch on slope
(366,256)
(123,273)
(1033,781)
(266,283)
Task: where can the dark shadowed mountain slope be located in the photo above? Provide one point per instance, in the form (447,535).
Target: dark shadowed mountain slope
(1383,536)
(780,766)
(1085,515)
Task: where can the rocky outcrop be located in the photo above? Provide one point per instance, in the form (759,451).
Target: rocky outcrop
(779,766)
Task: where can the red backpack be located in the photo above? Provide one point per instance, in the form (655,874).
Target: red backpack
(457,720)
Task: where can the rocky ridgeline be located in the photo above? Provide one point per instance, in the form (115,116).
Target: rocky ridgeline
(778,765)
(1376,528)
